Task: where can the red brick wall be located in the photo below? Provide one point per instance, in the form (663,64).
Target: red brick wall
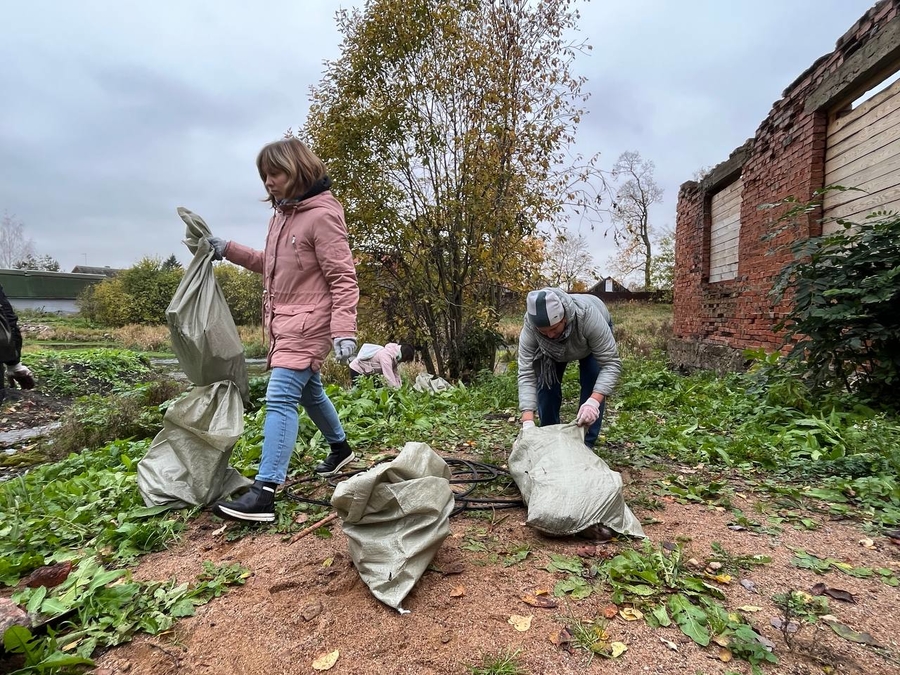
(785,158)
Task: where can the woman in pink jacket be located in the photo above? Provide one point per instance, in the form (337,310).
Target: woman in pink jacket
(310,295)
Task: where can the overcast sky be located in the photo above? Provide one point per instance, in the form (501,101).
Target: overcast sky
(114,113)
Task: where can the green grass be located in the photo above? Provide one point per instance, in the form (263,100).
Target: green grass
(502,663)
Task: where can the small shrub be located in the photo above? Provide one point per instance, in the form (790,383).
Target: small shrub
(843,291)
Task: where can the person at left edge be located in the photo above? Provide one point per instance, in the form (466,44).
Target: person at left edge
(11,350)
(310,294)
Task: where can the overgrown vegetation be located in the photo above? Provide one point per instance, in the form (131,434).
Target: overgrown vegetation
(844,305)
(141,293)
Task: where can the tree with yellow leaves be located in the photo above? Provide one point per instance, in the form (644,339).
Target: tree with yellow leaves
(446,127)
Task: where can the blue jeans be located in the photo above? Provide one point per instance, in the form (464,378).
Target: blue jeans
(287,390)
(550,398)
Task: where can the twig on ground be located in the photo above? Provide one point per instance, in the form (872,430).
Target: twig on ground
(312,528)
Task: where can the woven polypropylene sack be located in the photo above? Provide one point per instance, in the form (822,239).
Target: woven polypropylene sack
(395,516)
(187,463)
(204,337)
(566,487)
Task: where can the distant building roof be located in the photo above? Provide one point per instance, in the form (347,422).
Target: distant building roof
(85,269)
(608,285)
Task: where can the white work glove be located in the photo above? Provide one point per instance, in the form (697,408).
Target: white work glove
(527,424)
(218,246)
(588,413)
(21,375)
(344,348)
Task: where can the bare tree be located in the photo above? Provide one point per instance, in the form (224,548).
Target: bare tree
(632,231)
(14,245)
(568,262)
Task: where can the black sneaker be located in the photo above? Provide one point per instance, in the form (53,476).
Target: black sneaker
(339,457)
(256,505)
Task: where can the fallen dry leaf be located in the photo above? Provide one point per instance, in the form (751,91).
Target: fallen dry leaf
(326,661)
(749,608)
(302,518)
(848,633)
(836,593)
(631,614)
(586,551)
(520,623)
(867,543)
(721,640)
(609,611)
(668,643)
(616,649)
(542,601)
(458,592)
(219,531)
(724,655)
(561,638)
(48,575)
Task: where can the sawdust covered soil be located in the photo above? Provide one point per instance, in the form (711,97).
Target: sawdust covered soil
(305,599)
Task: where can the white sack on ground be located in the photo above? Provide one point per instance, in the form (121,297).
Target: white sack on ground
(187,463)
(204,337)
(566,487)
(396,515)
(426,382)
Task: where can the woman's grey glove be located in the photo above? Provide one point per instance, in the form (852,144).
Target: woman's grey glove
(344,348)
(218,246)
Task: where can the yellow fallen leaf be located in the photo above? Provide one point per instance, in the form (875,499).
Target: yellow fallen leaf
(617,649)
(70,646)
(721,578)
(328,562)
(520,623)
(631,614)
(326,661)
(458,592)
(720,640)
(724,655)
(749,608)
(868,543)
(542,591)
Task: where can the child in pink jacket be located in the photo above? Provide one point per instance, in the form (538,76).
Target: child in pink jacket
(377,360)
(310,296)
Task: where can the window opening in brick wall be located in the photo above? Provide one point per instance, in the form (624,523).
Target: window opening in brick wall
(878,88)
(863,151)
(725,231)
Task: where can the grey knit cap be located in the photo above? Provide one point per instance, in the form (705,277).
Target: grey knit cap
(544,308)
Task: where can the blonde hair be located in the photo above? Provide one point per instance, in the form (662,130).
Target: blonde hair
(293,157)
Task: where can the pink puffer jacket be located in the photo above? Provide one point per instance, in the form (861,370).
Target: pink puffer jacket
(310,291)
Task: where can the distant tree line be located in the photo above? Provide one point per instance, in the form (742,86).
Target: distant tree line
(141,294)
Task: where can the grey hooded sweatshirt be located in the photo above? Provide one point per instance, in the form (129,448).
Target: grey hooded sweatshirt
(588,332)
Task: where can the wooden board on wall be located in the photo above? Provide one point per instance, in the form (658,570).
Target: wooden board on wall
(863,151)
(725,232)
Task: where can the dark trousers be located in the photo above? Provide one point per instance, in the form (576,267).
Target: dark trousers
(354,375)
(550,398)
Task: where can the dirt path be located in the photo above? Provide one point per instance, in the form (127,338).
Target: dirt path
(305,599)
